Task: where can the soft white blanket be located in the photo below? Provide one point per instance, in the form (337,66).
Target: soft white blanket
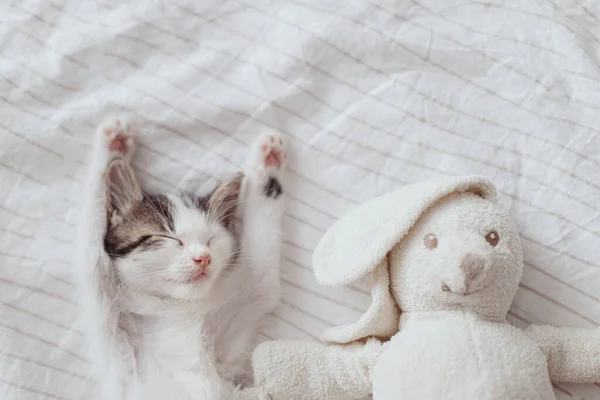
(371,95)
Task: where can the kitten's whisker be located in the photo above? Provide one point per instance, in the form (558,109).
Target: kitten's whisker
(233,208)
(142,278)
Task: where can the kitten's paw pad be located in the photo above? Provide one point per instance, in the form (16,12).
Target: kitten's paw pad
(273,154)
(267,161)
(119,136)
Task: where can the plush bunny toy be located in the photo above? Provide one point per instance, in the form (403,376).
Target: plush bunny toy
(451,260)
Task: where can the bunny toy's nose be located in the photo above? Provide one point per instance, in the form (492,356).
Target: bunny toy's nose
(469,277)
(202,260)
(472,266)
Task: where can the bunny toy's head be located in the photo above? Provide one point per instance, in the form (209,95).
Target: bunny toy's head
(441,245)
(463,253)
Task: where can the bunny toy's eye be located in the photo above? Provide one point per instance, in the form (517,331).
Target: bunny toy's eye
(431,241)
(492,238)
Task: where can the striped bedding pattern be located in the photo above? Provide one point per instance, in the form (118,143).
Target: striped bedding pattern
(371,94)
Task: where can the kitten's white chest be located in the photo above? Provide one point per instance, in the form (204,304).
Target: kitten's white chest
(170,359)
(177,343)
(461,358)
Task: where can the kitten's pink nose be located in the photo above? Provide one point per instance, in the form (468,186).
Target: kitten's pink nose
(202,260)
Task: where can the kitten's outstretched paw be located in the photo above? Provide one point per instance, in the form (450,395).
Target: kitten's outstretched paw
(267,160)
(118,136)
(270,152)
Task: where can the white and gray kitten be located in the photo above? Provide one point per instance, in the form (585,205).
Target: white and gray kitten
(174,287)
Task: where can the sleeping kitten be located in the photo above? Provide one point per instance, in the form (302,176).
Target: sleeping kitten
(174,287)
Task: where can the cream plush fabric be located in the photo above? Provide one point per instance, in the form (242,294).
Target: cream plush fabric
(296,370)
(452,340)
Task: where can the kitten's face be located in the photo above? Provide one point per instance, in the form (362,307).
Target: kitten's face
(171,246)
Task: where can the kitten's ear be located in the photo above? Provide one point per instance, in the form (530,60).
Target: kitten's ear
(122,190)
(222,203)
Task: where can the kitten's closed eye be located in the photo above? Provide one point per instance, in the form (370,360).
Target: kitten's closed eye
(179,242)
(145,242)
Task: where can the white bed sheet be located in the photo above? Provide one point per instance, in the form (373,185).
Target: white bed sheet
(371,95)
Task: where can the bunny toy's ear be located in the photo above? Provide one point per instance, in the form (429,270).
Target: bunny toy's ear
(381,318)
(356,246)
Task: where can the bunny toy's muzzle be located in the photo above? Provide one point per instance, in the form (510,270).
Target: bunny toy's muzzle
(471,274)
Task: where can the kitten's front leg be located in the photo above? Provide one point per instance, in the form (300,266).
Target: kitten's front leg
(205,383)
(261,210)
(114,139)
(262,213)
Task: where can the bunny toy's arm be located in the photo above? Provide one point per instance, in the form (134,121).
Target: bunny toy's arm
(296,370)
(573,353)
